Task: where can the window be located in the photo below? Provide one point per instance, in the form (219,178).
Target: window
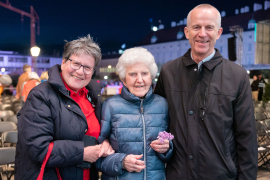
(15,59)
(249,47)
(1,59)
(43,60)
(220,49)
(107,70)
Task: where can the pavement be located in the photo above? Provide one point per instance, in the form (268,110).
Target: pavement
(263,174)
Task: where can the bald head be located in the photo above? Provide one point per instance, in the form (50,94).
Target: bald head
(206,6)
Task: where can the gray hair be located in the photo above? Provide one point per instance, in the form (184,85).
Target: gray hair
(206,6)
(136,55)
(84,45)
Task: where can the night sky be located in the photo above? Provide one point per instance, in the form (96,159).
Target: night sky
(110,22)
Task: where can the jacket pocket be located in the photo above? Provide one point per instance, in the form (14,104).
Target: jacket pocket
(230,163)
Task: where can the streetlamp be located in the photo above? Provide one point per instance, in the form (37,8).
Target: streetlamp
(35,52)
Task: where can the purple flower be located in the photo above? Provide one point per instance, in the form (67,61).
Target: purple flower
(164,135)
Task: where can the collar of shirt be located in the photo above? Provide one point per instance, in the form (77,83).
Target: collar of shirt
(205,59)
(81,92)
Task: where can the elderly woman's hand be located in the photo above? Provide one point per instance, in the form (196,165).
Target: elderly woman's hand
(106,149)
(160,147)
(91,153)
(132,163)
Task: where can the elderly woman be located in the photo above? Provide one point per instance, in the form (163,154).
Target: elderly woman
(132,121)
(63,110)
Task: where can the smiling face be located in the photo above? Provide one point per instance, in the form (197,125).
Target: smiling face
(138,79)
(202,32)
(76,79)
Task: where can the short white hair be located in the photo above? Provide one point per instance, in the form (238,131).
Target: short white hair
(205,6)
(136,55)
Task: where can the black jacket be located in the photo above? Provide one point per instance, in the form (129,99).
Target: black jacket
(212,119)
(255,85)
(49,114)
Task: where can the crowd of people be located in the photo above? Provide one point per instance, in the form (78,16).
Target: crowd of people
(201,99)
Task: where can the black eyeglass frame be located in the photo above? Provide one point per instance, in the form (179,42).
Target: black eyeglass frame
(81,66)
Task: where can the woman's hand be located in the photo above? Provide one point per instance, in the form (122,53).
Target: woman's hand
(132,163)
(160,147)
(91,153)
(106,149)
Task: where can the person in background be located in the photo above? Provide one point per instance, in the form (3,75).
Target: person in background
(24,77)
(132,121)
(255,88)
(261,86)
(5,80)
(211,108)
(62,111)
(30,84)
(44,76)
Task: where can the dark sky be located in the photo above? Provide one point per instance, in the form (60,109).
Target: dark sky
(110,22)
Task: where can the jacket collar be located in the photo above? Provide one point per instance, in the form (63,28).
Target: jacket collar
(131,97)
(209,64)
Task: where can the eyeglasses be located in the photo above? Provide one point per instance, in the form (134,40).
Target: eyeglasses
(77,65)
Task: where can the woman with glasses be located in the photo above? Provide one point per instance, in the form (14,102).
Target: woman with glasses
(63,110)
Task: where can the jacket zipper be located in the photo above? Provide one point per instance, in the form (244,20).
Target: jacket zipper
(204,103)
(144,141)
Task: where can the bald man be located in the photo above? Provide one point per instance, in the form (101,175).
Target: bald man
(210,105)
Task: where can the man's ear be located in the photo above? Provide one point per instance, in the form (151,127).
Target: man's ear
(186,32)
(219,33)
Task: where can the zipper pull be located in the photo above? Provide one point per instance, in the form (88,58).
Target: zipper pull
(141,109)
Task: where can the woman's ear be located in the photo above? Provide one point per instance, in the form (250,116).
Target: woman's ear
(123,81)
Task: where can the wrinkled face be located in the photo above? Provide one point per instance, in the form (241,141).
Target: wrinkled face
(76,79)
(202,32)
(138,79)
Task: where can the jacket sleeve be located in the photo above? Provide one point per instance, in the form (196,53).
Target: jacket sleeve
(112,164)
(36,129)
(245,133)
(165,157)
(105,127)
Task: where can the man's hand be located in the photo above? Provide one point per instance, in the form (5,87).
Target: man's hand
(132,163)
